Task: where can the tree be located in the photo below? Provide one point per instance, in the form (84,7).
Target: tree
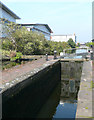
(78,44)
(89,44)
(27,42)
(71,43)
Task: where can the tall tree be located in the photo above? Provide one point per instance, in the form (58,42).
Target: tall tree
(71,43)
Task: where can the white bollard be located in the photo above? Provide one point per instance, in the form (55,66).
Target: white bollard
(61,55)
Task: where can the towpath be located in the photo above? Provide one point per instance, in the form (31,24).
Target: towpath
(85,108)
(12,73)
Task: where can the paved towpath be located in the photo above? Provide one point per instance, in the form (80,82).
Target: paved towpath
(85,95)
(12,73)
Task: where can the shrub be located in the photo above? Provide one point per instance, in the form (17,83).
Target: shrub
(17,57)
(30,42)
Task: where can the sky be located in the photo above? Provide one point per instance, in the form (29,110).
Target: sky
(63,16)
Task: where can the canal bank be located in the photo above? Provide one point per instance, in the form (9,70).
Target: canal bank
(85,101)
(23,97)
(28,93)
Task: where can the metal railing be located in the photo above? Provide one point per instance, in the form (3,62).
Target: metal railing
(86,54)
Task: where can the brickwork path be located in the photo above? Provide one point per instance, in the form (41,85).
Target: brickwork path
(12,73)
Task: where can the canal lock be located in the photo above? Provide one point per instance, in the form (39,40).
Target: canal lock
(52,87)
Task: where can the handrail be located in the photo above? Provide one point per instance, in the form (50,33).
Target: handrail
(76,49)
(83,54)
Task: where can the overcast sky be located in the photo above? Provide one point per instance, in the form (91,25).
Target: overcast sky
(63,16)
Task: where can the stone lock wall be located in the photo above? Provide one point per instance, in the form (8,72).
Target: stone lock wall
(70,77)
(25,99)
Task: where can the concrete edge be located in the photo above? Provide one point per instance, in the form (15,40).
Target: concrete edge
(21,79)
(84,105)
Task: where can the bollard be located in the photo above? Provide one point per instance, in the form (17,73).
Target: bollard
(91,55)
(46,57)
(55,52)
(89,51)
(61,55)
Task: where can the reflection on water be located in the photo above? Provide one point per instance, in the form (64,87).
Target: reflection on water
(73,57)
(62,103)
(71,54)
(58,105)
(66,110)
(52,95)
(81,50)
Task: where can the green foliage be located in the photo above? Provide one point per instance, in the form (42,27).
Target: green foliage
(71,43)
(5,53)
(7,44)
(92,84)
(78,44)
(18,56)
(9,65)
(70,51)
(30,43)
(13,55)
(89,44)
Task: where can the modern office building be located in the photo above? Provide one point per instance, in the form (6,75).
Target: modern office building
(6,15)
(41,28)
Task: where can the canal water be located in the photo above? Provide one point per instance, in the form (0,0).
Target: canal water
(81,50)
(51,94)
(62,103)
(59,105)
(71,54)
